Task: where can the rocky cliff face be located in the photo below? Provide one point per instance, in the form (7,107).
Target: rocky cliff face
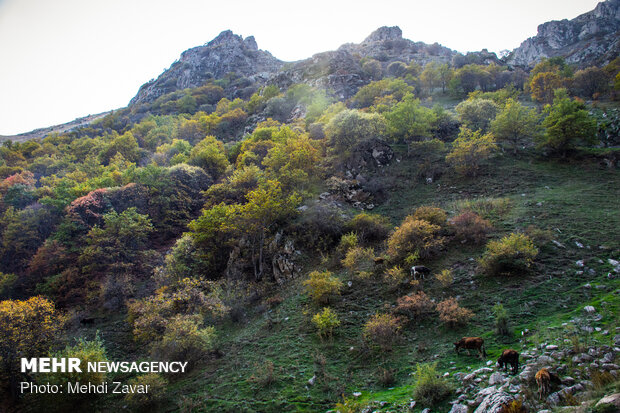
(341,70)
(590,39)
(226,53)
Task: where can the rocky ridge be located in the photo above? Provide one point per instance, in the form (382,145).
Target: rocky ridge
(592,38)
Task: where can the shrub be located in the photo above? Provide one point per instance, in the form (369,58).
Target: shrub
(370,227)
(347,242)
(395,276)
(445,278)
(264,374)
(513,253)
(386,377)
(156,390)
(415,235)
(414,305)
(470,150)
(432,215)
(452,314)
(469,227)
(488,208)
(501,319)
(183,339)
(360,261)
(322,285)
(325,322)
(85,350)
(382,330)
(430,388)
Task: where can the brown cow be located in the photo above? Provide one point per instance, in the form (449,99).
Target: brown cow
(509,357)
(544,378)
(471,343)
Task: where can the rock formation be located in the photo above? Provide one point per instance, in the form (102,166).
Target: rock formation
(592,38)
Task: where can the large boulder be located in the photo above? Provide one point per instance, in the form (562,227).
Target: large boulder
(494,402)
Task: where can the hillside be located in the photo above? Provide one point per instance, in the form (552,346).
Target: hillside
(366,230)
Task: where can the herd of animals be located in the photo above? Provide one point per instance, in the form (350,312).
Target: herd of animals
(544,377)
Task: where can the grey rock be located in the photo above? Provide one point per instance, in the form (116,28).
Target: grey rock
(496,378)
(493,403)
(459,408)
(589,39)
(613,400)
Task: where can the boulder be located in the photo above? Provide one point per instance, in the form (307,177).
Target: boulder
(613,400)
(494,403)
(459,408)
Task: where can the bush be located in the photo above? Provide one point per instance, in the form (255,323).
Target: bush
(360,261)
(432,215)
(470,150)
(325,322)
(347,242)
(430,388)
(264,375)
(183,339)
(469,227)
(370,227)
(510,255)
(452,314)
(382,330)
(445,278)
(414,305)
(501,320)
(321,286)
(85,350)
(415,236)
(395,276)
(156,390)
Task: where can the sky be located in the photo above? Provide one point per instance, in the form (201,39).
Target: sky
(64,59)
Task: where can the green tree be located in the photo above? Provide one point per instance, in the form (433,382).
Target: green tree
(119,245)
(568,124)
(431,76)
(409,121)
(350,127)
(477,113)
(515,124)
(209,155)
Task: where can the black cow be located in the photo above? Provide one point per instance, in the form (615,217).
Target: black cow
(509,357)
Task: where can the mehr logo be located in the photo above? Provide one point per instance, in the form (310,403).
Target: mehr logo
(51,365)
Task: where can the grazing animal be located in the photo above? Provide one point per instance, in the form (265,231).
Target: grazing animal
(509,357)
(471,343)
(87,321)
(420,269)
(379,260)
(543,380)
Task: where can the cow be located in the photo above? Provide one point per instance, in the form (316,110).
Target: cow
(544,378)
(509,357)
(471,343)
(419,269)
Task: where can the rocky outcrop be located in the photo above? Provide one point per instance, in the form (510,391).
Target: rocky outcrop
(592,38)
(226,53)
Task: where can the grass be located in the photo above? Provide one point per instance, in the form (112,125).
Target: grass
(577,201)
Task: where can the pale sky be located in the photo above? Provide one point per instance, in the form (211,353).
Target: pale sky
(63,59)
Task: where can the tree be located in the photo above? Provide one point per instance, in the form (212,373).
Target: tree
(590,81)
(350,127)
(117,246)
(469,150)
(568,124)
(209,155)
(267,206)
(408,120)
(27,329)
(477,113)
(515,124)
(431,76)
(543,85)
